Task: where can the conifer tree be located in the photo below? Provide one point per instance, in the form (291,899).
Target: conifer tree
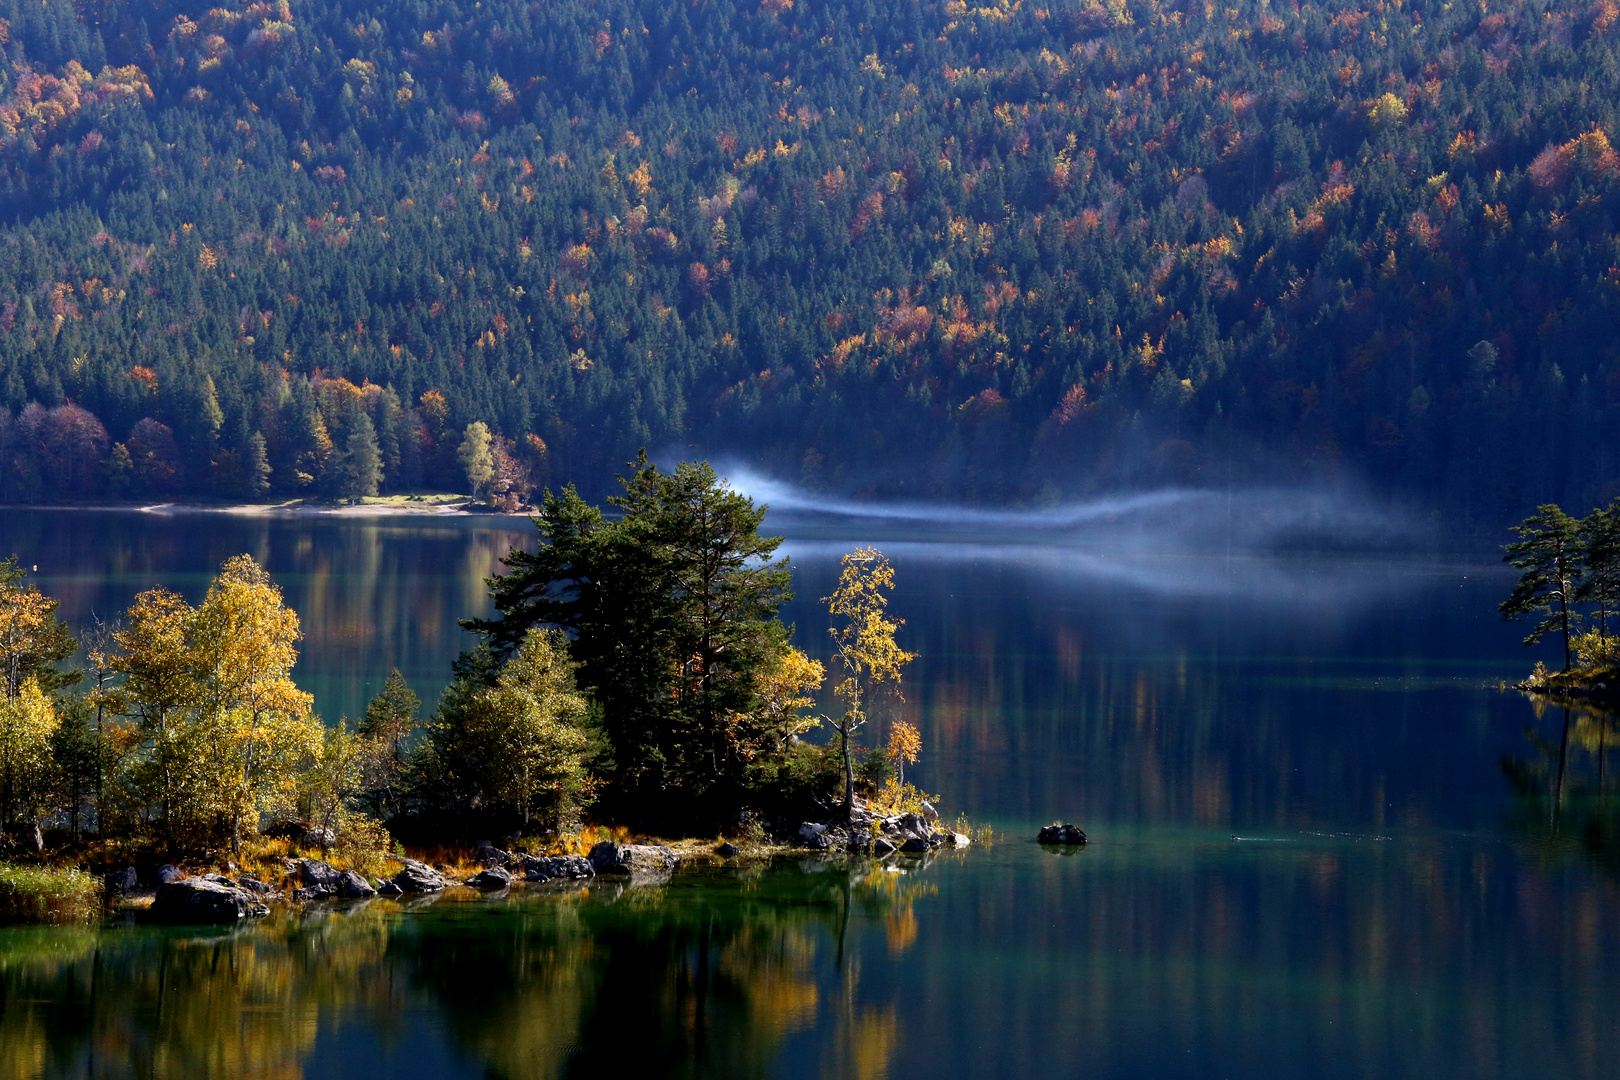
(1549,553)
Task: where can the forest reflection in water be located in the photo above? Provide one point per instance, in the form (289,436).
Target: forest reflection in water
(1283,955)
(711,973)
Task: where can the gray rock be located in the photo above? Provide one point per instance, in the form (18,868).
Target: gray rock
(418,878)
(354,887)
(915,844)
(490,879)
(490,855)
(914,825)
(558,868)
(859,840)
(929,814)
(882,846)
(123,882)
(259,888)
(168,873)
(727,851)
(314,872)
(221,879)
(810,830)
(958,839)
(314,892)
(199,900)
(1061,833)
(610,858)
(388,888)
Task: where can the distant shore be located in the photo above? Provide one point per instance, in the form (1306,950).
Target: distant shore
(387,506)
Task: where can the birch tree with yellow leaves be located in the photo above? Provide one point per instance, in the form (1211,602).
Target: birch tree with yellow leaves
(864,645)
(26,723)
(225,729)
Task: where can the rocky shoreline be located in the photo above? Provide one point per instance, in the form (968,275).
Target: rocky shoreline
(175,897)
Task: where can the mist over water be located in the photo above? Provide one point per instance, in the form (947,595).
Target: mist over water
(1255,545)
(1188,521)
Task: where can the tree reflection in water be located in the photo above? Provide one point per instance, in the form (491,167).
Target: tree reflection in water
(1567,800)
(705,976)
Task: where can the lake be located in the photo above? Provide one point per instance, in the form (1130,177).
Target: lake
(1307,858)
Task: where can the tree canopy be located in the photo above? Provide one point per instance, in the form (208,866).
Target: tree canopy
(995,252)
(670,612)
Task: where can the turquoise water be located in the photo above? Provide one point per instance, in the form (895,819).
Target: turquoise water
(1307,858)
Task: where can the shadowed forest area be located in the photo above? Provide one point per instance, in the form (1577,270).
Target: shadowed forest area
(1004,253)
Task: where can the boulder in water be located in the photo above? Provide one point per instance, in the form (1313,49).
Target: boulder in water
(418,877)
(610,858)
(1062,834)
(490,879)
(203,900)
(352,886)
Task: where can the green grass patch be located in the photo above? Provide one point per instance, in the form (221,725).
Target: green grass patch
(44,894)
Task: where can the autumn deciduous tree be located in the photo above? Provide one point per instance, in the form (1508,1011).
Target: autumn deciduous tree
(224,728)
(27,722)
(476,457)
(32,640)
(865,646)
(905,743)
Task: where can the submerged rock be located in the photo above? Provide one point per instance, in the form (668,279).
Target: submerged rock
(1061,833)
(610,858)
(202,900)
(558,868)
(418,877)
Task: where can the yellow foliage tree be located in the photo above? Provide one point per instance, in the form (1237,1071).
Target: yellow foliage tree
(864,643)
(905,743)
(224,728)
(26,723)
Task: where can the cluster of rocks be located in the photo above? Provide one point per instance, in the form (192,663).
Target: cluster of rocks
(1062,834)
(501,868)
(322,881)
(880,835)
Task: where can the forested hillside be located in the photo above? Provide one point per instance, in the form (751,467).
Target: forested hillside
(1010,252)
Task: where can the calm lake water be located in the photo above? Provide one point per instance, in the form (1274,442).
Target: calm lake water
(1307,858)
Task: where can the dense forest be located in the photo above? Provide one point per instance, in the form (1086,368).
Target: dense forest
(998,253)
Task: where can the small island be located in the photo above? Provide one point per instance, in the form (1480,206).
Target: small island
(1570,584)
(635,683)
